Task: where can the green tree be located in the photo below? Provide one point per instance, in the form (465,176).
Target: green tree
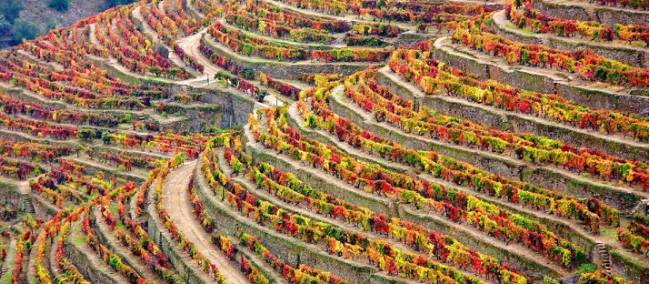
(127,118)
(155,71)
(106,138)
(247,73)
(51,25)
(24,30)
(5,26)
(173,72)
(113,3)
(86,134)
(59,5)
(10,9)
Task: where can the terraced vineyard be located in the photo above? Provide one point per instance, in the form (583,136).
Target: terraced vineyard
(327,141)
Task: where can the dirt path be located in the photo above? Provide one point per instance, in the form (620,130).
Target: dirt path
(368,119)
(346,18)
(419,94)
(10,259)
(295,115)
(88,162)
(148,31)
(190,6)
(190,45)
(148,113)
(516,248)
(113,62)
(251,187)
(31,262)
(176,200)
(95,265)
(515,207)
(23,187)
(53,64)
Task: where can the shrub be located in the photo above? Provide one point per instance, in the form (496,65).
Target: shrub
(85,134)
(5,26)
(59,5)
(248,74)
(106,138)
(113,3)
(550,280)
(587,268)
(51,25)
(24,30)
(10,9)
(127,118)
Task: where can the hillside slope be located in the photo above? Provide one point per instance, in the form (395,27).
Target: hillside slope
(328,142)
(45,18)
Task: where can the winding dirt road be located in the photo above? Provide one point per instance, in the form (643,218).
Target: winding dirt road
(176,201)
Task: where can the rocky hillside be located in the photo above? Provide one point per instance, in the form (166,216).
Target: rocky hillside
(38,14)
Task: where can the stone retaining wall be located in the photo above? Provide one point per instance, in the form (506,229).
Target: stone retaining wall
(634,56)
(84,265)
(492,163)
(588,12)
(42,208)
(533,269)
(404,212)
(368,201)
(282,246)
(623,199)
(285,70)
(628,268)
(11,197)
(187,268)
(516,122)
(561,229)
(523,77)
(104,239)
(235,107)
